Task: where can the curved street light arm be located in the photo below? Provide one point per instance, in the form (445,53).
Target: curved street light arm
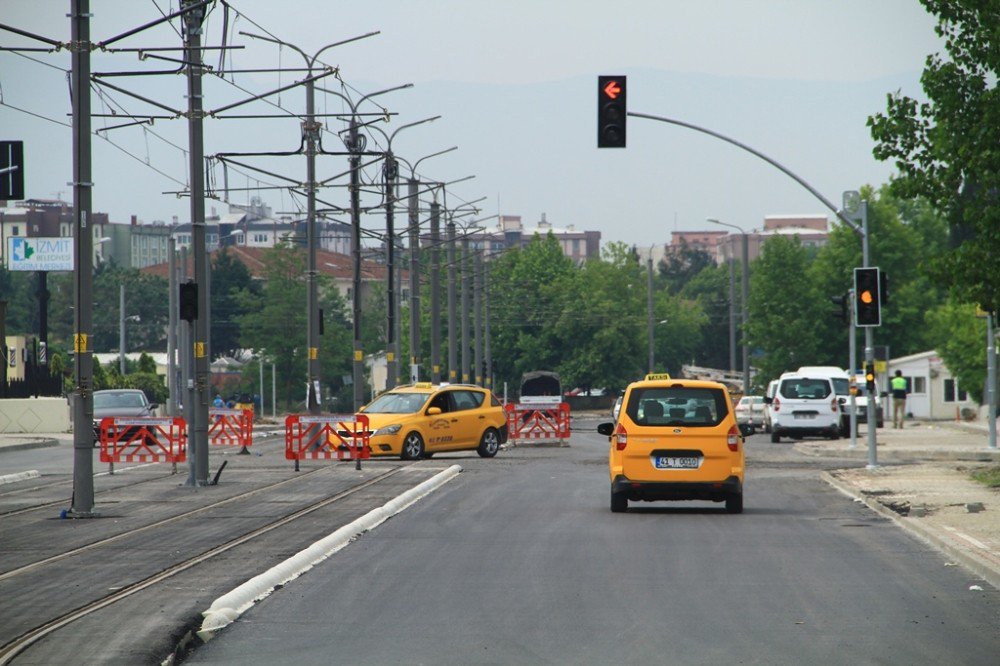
(788,172)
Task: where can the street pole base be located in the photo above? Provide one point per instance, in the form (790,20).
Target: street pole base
(70,513)
(870,466)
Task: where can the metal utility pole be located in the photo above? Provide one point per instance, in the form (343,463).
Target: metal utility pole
(872,421)
(452,308)
(466,285)
(486,331)
(390,171)
(310,135)
(172,326)
(477,310)
(991,378)
(358,374)
(745,315)
(413,204)
(121,329)
(43,316)
(853,351)
(732,313)
(192,42)
(649,308)
(435,292)
(83,298)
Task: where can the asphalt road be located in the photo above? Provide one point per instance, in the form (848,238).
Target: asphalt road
(519,561)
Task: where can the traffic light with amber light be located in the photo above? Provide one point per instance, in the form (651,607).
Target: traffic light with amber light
(610,111)
(867,297)
(870,378)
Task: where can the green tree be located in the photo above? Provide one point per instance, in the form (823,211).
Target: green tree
(709,292)
(230,276)
(961,342)
(525,288)
(946,148)
(681,265)
(784,308)
(905,238)
(275,320)
(601,328)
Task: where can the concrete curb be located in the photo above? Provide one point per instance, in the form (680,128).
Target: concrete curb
(899,456)
(988,571)
(231,605)
(19,476)
(40,443)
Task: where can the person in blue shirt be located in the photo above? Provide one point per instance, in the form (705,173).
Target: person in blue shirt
(218,403)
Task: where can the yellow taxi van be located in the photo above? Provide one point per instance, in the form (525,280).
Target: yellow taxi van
(675,439)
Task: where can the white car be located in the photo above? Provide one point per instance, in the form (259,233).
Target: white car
(804,406)
(750,411)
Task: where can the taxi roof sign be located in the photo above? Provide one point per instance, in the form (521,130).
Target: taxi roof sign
(657,376)
(423,385)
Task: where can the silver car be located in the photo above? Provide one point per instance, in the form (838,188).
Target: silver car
(120,402)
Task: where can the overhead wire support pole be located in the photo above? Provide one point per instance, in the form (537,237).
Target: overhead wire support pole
(83,398)
(192,38)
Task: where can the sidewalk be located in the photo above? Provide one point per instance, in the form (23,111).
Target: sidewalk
(922,482)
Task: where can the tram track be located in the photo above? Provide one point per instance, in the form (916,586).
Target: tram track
(13,648)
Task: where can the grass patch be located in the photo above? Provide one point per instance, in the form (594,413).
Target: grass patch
(988,476)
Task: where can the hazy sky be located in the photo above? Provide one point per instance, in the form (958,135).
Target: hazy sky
(515,84)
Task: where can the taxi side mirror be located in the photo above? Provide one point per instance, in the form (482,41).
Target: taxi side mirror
(768,400)
(433,411)
(842,400)
(605,428)
(747,429)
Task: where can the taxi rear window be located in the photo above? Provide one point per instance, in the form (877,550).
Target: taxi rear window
(677,406)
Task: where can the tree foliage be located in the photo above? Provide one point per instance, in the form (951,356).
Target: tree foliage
(946,148)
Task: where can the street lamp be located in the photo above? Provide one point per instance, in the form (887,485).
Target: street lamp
(390,172)
(744,316)
(310,134)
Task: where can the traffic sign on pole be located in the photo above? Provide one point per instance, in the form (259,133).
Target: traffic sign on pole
(11,170)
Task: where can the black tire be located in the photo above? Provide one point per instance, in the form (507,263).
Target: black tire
(734,502)
(619,502)
(428,456)
(489,443)
(775,438)
(413,447)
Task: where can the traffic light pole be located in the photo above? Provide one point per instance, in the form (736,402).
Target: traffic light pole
(853,353)
(872,414)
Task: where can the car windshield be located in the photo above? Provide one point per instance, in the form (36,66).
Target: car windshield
(677,406)
(115,400)
(804,387)
(397,403)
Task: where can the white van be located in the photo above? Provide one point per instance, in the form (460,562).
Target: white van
(841,386)
(804,405)
(772,390)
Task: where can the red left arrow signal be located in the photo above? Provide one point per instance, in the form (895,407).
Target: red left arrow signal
(612,90)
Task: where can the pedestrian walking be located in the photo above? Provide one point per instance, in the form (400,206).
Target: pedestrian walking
(898,385)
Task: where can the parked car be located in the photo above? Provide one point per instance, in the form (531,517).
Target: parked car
(120,402)
(750,411)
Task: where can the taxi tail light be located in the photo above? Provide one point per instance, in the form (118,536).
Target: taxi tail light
(733,438)
(621,437)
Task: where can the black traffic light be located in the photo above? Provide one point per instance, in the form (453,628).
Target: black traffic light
(610,111)
(870,378)
(841,313)
(189,301)
(867,297)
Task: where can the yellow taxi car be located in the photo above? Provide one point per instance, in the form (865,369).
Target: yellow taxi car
(675,439)
(419,420)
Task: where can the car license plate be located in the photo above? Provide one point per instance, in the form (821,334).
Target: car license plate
(805,415)
(676,462)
